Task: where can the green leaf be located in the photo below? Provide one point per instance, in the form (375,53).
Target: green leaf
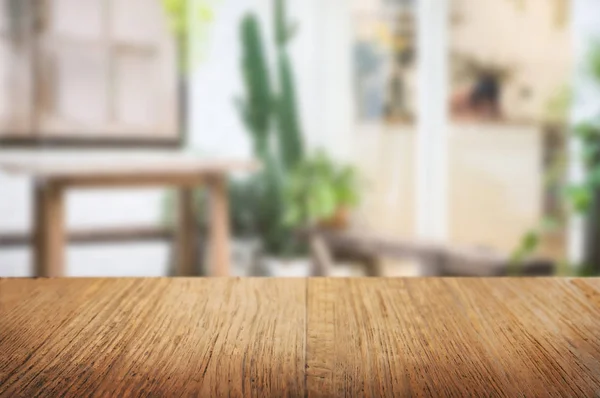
(594,60)
(173,7)
(591,153)
(587,131)
(580,198)
(531,240)
(593,178)
(292,216)
(318,186)
(325,200)
(205,13)
(529,243)
(550,224)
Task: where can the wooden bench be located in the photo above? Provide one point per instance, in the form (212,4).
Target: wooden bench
(437,260)
(52,178)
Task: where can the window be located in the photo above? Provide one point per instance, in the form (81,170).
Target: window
(384,61)
(94,70)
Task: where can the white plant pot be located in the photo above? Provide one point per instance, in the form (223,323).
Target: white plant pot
(286,268)
(244,253)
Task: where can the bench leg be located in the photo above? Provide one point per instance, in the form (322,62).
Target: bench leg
(186,235)
(49,230)
(219,227)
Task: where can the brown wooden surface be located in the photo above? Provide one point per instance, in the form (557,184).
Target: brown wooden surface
(300,337)
(186,242)
(49,230)
(101,235)
(160,337)
(219,227)
(436,259)
(182,171)
(177,171)
(459,337)
(322,261)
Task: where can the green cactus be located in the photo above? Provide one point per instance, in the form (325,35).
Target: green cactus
(256,109)
(291,147)
(261,106)
(269,117)
(283,32)
(289,134)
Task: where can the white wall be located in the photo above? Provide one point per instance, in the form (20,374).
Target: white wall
(215,82)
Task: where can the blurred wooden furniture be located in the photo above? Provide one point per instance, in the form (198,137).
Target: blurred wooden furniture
(319,337)
(436,259)
(97,236)
(53,178)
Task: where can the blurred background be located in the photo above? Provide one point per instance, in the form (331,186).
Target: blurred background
(397,137)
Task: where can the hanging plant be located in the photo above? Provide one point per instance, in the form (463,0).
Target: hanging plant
(187,18)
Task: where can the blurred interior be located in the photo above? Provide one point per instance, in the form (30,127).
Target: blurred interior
(105,79)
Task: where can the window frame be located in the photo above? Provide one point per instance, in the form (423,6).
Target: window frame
(33,137)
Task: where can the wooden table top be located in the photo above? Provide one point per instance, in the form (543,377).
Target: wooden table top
(111,171)
(300,337)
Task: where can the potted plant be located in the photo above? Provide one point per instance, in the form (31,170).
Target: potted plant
(268,109)
(582,198)
(321,192)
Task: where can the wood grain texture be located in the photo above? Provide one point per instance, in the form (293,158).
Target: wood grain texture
(159,337)
(303,337)
(49,230)
(186,243)
(175,171)
(453,337)
(219,227)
